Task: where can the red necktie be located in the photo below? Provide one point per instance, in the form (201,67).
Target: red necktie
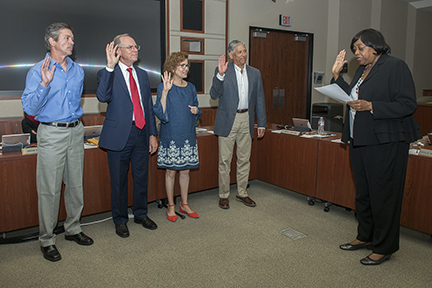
(138,112)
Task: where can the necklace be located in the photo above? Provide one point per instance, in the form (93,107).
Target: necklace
(361,79)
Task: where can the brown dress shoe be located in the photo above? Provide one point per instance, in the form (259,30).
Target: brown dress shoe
(246,201)
(224,203)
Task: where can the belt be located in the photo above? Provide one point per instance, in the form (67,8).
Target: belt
(242,111)
(62,124)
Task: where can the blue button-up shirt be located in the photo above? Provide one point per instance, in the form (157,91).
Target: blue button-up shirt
(61,100)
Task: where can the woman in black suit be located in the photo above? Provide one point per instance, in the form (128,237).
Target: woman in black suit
(379,125)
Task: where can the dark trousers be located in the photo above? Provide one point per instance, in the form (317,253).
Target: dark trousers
(379,173)
(135,153)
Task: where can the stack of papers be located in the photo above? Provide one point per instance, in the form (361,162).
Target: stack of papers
(335,92)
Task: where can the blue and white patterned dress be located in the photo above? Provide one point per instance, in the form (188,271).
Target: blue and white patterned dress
(178,149)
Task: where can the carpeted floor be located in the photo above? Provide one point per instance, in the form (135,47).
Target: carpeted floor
(238,247)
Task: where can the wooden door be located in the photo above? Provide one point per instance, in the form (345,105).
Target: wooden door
(285,60)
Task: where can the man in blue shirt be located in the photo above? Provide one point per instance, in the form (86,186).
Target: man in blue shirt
(53,94)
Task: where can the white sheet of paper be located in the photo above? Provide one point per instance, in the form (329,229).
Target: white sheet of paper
(335,92)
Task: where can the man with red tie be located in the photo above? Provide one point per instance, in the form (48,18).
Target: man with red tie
(129,130)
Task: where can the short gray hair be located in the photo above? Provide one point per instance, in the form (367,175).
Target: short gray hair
(52,31)
(233,44)
(117,38)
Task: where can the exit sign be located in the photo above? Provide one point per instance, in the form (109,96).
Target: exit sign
(285,20)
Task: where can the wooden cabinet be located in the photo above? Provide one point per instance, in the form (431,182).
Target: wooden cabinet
(335,182)
(423,115)
(18,193)
(417,201)
(288,161)
(311,166)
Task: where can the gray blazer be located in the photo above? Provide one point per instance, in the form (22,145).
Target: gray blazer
(227,92)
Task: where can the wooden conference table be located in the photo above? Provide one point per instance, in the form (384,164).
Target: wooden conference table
(314,167)
(18,194)
(321,168)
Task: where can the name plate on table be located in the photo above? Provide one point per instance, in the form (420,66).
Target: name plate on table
(425,152)
(291,132)
(28,151)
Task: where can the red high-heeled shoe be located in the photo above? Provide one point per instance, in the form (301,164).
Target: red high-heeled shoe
(171,218)
(192,215)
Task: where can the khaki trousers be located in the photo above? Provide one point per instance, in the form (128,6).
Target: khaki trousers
(239,134)
(60,159)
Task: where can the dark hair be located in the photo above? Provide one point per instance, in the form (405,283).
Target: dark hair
(372,38)
(52,31)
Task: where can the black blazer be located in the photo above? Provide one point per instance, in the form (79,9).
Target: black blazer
(390,88)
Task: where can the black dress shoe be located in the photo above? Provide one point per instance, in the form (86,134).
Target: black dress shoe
(80,238)
(368,261)
(146,223)
(51,253)
(122,230)
(352,247)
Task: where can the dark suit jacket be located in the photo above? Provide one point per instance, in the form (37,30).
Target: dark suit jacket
(227,92)
(28,126)
(390,88)
(112,89)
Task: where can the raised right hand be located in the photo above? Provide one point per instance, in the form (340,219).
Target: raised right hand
(112,57)
(338,64)
(46,74)
(167,81)
(222,65)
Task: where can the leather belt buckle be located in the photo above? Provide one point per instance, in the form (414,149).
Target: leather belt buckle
(64,125)
(242,110)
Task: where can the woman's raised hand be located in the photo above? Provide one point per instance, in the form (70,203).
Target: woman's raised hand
(167,81)
(338,64)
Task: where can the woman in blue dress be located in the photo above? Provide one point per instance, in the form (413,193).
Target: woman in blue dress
(177,108)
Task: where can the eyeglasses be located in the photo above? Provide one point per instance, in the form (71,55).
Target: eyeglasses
(184,66)
(138,47)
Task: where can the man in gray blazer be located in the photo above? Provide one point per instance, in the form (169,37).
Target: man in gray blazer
(240,92)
